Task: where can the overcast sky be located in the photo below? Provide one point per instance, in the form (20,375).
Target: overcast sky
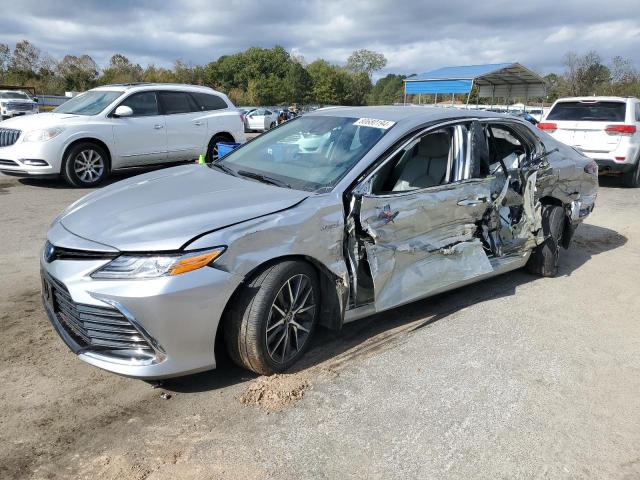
(414,35)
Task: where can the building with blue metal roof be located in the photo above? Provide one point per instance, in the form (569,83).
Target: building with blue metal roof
(505,80)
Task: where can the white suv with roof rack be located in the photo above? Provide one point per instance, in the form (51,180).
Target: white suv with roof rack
(606,129)
(119,126)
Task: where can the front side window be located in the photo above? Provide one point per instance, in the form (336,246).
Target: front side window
(588,111)
(89,103)
(177,102)
(310,153)
(143,104)
(425,162)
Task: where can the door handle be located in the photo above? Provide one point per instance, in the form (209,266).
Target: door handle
(157,126)
(472,202)
(198,123)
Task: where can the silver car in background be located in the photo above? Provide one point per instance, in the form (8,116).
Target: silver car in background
(331,217)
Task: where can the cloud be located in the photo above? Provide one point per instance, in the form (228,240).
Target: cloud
(415,36)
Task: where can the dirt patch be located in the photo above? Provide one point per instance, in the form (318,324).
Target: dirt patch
(276,392)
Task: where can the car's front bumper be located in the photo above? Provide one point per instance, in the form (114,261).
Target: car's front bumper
(612,167)
(14,159)
(179,316)
(17,113)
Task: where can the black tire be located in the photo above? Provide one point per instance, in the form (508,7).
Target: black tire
(545,257)
(252,315)
(273,125)
(212,149)
(632,178)
(85,153)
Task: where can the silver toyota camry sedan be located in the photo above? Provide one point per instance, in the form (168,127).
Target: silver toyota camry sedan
(328,218)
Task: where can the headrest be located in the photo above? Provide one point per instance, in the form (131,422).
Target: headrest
(435,145)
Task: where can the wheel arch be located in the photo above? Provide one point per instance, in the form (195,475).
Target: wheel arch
(331,314)
(226,134)
(97,141)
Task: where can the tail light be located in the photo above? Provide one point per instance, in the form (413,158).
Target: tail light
(591,167)
(547,126)
(621,129)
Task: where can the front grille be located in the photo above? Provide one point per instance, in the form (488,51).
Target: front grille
(8,162)
(8,136)
(93,328)
(61,253)
(20,106)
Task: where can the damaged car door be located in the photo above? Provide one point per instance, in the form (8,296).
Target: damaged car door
(415,218)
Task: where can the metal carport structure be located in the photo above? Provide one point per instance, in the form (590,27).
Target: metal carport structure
(505,80)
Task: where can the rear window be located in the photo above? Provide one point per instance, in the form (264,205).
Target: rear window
(207,101)
(588,111)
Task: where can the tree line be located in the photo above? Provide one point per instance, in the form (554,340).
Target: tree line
(273,76)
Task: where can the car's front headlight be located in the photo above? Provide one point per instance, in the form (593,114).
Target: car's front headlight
(132,267)
(42,135)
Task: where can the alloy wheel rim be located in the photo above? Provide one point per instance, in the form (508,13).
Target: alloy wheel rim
(290,319)
(88,165)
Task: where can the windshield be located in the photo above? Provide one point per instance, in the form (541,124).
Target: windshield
(309,153)
(15,95)
(88,103)
(588,111)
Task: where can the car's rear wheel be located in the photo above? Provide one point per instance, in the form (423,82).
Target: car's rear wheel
(85,165)
(212,149)
(545,257)
(273,124)
(271,321)
(632,178)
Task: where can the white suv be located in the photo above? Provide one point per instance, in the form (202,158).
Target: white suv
(119,126)
(606,129)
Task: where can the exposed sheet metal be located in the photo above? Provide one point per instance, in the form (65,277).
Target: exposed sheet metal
(402,278)
(424,240)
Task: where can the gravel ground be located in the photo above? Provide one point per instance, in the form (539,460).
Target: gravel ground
(516,377)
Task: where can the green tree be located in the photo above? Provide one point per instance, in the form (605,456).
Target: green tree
(586,74)
(366,61)
(120,70)
(387,90)
(78,73)
(26,58)
(297,84)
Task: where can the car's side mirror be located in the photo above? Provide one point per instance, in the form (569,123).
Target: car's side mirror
(123,111)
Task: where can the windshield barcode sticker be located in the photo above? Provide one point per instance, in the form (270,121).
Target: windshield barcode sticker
(375,123)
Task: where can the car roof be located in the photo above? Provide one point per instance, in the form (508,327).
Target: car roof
(595,99)
(398,114)
(120,87)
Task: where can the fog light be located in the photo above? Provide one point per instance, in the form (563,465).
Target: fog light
(34,162)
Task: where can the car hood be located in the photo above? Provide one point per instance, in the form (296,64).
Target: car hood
(41,120)
(164,210)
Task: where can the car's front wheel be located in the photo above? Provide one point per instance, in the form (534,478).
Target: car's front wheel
(85,165)
(271,321)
